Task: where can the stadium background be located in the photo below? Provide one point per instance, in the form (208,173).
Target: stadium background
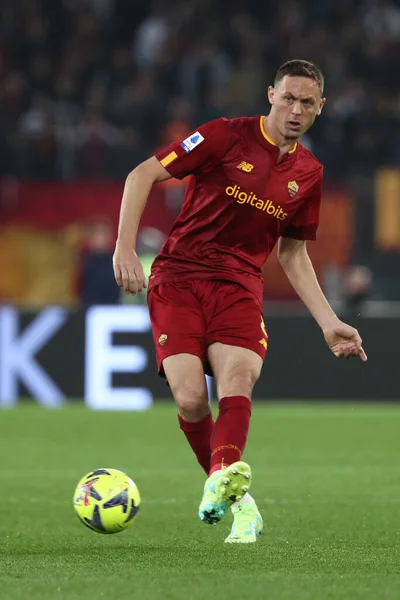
(89,88)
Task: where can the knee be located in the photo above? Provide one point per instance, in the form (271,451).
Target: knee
(192,403)
(238,382)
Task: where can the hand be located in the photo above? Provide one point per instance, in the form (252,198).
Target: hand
(128,271)
(344,341)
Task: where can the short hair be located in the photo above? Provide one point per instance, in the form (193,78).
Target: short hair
(300,68)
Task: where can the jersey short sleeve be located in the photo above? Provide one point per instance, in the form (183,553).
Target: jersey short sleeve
(199,152)
(305,222)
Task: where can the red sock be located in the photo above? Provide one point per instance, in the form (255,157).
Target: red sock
(198,434)
(230,432)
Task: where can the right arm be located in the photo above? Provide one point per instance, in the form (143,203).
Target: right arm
(199,152)
(128,271)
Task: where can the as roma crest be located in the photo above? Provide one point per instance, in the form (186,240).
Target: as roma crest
(162,339)
(293,188)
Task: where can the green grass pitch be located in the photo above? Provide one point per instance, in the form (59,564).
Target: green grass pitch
(326,477)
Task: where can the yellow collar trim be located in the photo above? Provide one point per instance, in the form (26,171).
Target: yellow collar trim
(264,132)
(269,139)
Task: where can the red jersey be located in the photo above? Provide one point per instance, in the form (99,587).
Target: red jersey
(238,202)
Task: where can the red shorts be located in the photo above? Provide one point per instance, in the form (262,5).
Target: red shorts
(188,316)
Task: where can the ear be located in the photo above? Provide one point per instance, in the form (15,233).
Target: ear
(271,94)
(321,106)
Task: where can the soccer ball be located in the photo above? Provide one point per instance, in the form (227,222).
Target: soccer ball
(106,500)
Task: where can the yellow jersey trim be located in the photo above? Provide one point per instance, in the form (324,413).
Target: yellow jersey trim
(269,139)
(264,132)
(168,159)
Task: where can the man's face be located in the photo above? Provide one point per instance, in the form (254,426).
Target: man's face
(295,101)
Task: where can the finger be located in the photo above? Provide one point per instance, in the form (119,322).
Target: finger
(361,353)
(118,275)
(126,280)
(140,279)
(352,353)
(346,351)
(141,276)
(133,284)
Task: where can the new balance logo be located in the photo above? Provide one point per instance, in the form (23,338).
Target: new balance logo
(245,166)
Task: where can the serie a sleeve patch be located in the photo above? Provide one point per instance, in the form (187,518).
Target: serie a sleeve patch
(192,141)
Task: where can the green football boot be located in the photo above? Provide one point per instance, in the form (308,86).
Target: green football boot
(247,524)
(222,489)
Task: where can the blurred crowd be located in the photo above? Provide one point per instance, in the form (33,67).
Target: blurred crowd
(89,88)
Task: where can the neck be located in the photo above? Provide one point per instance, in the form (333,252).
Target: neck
(284,144)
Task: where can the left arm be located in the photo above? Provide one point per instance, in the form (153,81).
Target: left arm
(343,340)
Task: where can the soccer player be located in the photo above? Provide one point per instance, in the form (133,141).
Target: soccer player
(253,185)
